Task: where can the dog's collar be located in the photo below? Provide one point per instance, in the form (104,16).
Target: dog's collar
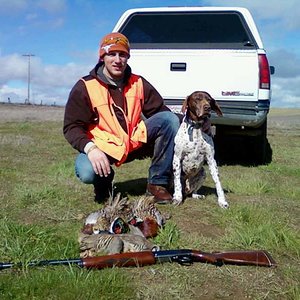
(191,126)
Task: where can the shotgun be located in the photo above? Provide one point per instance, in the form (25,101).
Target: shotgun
(182,256)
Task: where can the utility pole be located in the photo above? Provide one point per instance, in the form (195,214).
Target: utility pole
(28,89)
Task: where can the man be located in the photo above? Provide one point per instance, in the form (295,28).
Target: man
(112,114)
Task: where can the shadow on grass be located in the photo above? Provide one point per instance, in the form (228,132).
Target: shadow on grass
(206,190)
(135,187)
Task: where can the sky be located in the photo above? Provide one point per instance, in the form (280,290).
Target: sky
(62,38)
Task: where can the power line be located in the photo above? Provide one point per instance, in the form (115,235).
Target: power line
(28,78)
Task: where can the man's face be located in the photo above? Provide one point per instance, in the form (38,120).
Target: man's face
(115,63)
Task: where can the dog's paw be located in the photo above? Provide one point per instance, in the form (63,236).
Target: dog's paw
(177,199)
(176,202)
(223,203)
(198,196)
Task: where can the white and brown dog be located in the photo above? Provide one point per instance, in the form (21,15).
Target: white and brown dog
(193,148)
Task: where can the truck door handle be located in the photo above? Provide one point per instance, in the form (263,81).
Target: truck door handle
(181,67)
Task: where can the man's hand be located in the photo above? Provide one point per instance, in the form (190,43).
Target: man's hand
(99,162)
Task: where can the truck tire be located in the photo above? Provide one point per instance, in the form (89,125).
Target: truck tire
(248,146)
(260,144)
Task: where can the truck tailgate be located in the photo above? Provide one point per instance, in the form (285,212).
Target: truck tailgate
(225,74)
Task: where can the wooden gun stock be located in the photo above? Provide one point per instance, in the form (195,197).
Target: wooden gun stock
(130,259)
(255,257)
(143,258)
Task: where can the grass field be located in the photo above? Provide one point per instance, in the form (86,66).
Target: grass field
(43,205)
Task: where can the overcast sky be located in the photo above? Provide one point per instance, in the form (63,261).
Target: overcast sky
(63,36)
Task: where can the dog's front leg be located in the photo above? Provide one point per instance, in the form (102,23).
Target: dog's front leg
(212,165)
(177,196)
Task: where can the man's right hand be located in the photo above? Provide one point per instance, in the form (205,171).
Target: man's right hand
(99,162)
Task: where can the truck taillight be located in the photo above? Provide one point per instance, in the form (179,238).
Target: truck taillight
(264,72)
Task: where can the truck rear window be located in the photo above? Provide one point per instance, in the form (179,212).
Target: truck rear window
(188,30)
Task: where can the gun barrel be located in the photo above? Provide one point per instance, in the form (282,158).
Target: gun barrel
(131,259)
(40,263)
(6,266)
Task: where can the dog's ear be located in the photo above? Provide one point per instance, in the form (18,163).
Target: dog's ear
(214,105)
(184,105)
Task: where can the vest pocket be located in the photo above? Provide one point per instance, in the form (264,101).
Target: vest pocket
(100,135)
(109,143)
(139,133)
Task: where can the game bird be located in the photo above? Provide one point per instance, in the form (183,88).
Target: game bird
(148,218)
(121,226)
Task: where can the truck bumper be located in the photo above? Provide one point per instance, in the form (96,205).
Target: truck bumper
(241,113)
(235,113)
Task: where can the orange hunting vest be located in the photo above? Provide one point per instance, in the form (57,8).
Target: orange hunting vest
(108,134)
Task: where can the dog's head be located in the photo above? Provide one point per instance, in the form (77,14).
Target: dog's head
(198,106)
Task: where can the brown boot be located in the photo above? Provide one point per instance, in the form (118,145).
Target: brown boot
(160,193)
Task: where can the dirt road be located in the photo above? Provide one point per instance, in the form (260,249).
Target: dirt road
(21,113)
(283,118)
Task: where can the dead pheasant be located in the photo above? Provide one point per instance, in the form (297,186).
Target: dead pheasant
(148,218)
(101,220)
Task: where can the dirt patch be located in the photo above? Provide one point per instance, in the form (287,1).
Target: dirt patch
(195,224)
(283,118)
(23,113)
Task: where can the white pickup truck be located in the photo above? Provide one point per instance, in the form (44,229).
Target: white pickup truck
(214,49)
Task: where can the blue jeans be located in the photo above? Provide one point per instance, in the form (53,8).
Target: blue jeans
(161,130)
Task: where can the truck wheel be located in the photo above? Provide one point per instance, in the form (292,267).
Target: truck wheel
(247,147)
(262,152)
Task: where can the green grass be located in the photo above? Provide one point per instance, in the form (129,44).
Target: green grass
(43,205)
